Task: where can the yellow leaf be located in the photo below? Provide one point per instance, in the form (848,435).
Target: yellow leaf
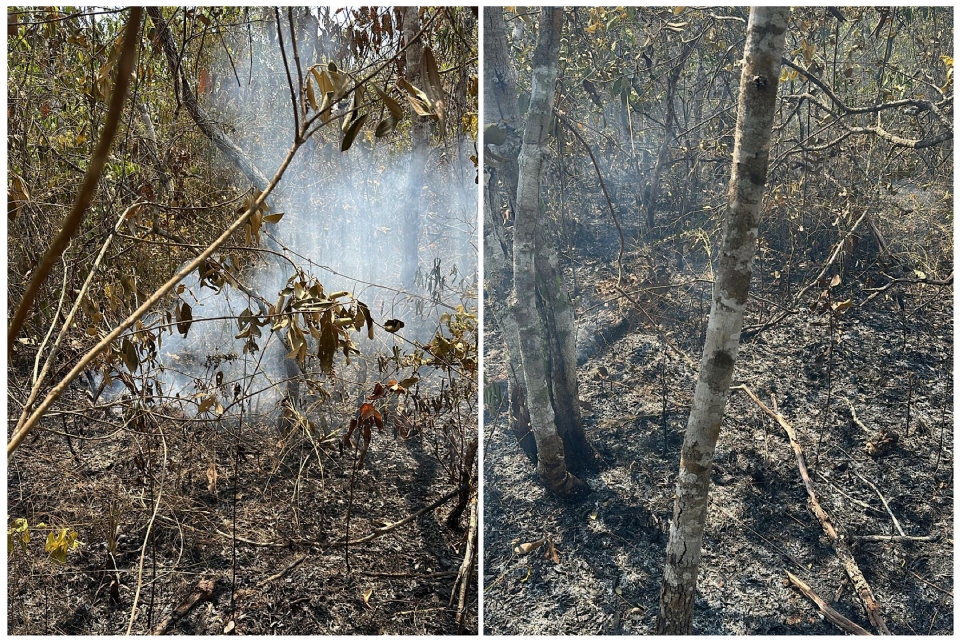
(678,10)
(366,595)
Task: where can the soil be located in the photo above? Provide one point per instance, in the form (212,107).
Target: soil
(892,368)
(275,572)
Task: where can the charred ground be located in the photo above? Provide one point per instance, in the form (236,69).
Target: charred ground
(891,366)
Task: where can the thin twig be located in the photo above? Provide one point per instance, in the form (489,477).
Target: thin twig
(896,523)
(146,538)
(603,186)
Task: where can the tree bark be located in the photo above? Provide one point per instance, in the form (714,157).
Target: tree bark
(758,90)
(551,463)
(500,105)
(500,98)
(496,271)
(419,143)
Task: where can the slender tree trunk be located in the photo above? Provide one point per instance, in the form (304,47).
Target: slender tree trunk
(653,189)
(758,90)
(500,107)
(419,142)
(551,464)
(496,271)
(500,98)
(558,314)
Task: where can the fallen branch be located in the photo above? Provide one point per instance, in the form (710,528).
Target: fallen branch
(203,591)
(880,538)
(465,576)
(840,547)
(290,567)
(828,612)
(896,523)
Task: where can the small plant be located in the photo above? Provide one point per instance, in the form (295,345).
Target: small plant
(57,545)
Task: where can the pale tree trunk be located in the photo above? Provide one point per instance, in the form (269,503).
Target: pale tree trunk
(758,90)
(501,110)
(551,465)
(500,104)
(419,142)
(558,313)
(496,271)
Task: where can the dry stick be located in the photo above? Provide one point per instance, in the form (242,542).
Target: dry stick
(53,324)
(203,591)
(829,612)
(89,185)
(596,167)
(465,576)
(896,523)
(879,538)
(146,538)
(840,547)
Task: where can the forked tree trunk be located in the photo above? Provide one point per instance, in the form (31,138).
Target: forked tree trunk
(419,142)
(534,355)
(758,91)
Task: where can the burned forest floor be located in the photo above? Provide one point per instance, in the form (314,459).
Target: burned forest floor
(866,383)
(200,541)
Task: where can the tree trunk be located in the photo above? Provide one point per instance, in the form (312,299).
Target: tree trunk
(419,143)
(558,313)
(551,464)
(500,107)
(500,98)
(496,270)
(653,189)
(758,90)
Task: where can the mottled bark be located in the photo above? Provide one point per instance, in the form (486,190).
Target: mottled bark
(496,271)
(558,313)
(551,464)
(419,143)
(500,99)
(758,89)
(500,107)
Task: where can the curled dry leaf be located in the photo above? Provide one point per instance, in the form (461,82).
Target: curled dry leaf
(527,547)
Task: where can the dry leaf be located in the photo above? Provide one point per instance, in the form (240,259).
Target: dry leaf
(527,547)
(212,478)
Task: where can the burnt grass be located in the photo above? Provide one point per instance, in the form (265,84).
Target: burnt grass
(290,504)
(611,546)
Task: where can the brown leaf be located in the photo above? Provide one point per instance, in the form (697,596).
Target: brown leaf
(527,547)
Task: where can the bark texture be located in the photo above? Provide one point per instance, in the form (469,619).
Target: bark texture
(534,356)
(501,109)
(758,89)
(500,99)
